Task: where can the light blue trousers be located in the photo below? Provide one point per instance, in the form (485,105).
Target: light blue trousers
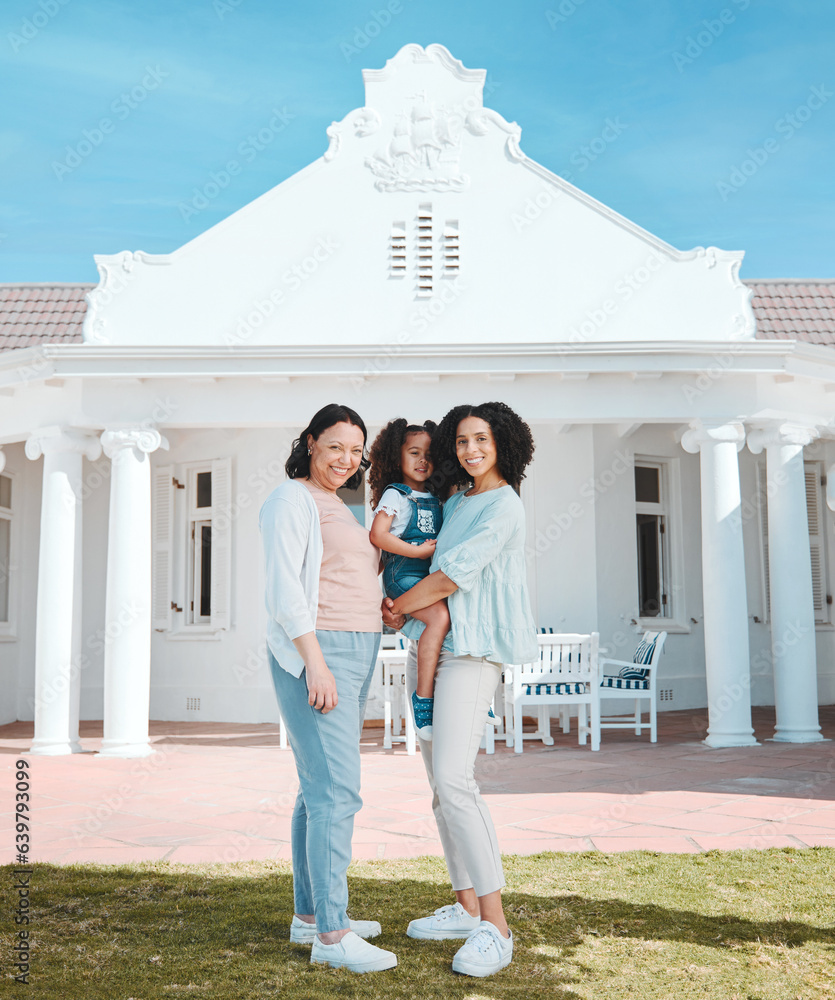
(327,752)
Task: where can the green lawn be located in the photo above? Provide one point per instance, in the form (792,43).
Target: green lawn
(744,925)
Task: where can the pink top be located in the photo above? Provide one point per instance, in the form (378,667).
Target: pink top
(349,593)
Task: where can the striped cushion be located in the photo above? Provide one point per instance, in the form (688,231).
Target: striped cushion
(625,683)
(643,654)
(573,688)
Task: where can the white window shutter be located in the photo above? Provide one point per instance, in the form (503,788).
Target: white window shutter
(162,553)
(816,547)
(221,542)
(762,498)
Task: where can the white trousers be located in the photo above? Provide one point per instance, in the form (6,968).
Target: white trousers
(464,689)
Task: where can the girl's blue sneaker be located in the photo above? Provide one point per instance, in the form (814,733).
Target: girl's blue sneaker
(422,711)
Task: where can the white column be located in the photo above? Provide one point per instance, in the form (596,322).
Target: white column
(127,651)
(727,663)
(58,621)
(792,612)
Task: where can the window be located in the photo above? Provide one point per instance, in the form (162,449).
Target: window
(5,547)
(815,505)
(192,519)
(199,541)
(651,517)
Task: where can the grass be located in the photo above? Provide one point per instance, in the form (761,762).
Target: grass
(744,925)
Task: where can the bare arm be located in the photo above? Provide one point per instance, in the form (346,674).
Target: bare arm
(382,537)
(321,685)
(431,589)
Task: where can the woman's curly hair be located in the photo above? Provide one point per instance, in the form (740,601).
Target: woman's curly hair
(298,464)
(514,446)
(385,454)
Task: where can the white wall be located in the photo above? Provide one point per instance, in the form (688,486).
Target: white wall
(96,511)
(561,539)
(17,649)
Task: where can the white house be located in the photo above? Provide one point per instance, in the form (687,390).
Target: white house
(682,437)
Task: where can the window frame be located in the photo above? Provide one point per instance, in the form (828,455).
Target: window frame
(816,467)
(668,507)
(176,557)
(8,628)
(195,518)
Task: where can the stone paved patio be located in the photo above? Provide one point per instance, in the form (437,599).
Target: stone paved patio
(222,792)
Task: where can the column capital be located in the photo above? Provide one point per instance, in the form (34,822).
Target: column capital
(53,440)
(784,433)
(703,432)
(145,439)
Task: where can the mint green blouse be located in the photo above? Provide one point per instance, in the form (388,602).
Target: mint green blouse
(481,548)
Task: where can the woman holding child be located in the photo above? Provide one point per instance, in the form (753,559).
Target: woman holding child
(478,565)
(323,634)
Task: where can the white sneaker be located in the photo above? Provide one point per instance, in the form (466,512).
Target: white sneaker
(484,952)
(352,953)
(447,922)
(303,933)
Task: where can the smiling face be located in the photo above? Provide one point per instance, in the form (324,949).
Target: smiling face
(475,448)
(415,464)
(335,455)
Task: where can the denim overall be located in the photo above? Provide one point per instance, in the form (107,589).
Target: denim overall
(400,573)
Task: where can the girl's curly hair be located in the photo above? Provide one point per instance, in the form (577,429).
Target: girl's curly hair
(385,454)
(298,464)
(514,446)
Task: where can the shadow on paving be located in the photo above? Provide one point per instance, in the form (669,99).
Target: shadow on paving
(122,932)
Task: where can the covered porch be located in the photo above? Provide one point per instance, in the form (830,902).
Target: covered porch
(748,619)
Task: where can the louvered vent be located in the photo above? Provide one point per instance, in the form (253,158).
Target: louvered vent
(397,250)
(424,235)
(814,492)
(452,260)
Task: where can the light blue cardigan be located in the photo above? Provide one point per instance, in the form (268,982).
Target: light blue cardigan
(293,550)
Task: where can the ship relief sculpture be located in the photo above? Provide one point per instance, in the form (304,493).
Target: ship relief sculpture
(424,151)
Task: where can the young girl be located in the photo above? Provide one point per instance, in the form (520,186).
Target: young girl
(406,523)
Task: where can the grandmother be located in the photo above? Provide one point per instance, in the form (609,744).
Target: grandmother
(323,633)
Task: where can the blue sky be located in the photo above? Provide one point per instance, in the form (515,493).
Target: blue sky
(725,113)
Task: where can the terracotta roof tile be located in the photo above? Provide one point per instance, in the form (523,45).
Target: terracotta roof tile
(795,310)
(41,314)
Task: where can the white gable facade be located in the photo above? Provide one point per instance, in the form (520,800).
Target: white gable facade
(423,261)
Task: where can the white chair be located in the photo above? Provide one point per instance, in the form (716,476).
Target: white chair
(502,729)
(635,681)
(393,665)
(503,708)
(565,674)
